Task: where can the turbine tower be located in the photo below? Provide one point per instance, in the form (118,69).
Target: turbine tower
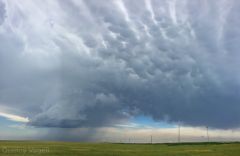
(179,133)
(207,134)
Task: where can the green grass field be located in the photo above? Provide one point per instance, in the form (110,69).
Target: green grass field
(32,148)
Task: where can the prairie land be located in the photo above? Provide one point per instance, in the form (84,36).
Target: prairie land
(41,148)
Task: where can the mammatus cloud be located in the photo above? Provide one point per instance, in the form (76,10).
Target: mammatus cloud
(92,64)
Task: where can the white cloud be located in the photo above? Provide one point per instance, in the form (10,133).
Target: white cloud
(13,117)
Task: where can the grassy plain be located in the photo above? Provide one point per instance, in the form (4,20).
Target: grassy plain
(40,148)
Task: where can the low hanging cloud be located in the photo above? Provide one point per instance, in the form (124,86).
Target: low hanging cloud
(93,64)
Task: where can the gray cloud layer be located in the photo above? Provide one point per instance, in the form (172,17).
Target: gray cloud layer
(2,12)
(91,63)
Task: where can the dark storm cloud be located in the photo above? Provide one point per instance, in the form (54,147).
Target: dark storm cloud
(92,64)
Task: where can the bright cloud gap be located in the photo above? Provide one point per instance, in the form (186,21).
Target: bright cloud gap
(13,117)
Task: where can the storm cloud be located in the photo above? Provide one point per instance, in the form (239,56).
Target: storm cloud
(97,63)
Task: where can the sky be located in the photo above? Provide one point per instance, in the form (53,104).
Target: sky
(89,70)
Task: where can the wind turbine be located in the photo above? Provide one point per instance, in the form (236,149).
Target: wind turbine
(207,134)
(179,133)
(151,139)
